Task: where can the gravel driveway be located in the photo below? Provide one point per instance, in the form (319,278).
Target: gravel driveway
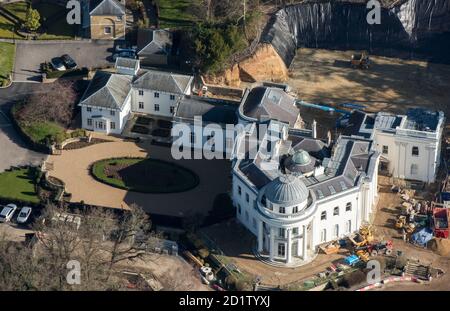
(29,56)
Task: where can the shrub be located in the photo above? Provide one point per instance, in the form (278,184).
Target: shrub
(203,253)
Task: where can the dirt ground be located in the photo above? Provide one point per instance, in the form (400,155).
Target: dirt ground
(387,211)
(236,243)
(391,84)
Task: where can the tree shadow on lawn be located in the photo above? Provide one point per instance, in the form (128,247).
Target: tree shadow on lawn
(154,176)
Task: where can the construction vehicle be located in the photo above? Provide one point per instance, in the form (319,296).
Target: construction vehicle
(360,60)
(403,223)
(363,237)
(378,248)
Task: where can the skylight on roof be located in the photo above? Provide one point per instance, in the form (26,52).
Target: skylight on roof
(343,185)
(332,190)
(319,193)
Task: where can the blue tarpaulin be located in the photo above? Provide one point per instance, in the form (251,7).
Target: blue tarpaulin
(422,236)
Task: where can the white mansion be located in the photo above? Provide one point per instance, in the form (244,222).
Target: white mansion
(111,97)
(294,191)
(291,189)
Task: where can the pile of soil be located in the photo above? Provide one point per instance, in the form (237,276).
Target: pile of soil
(440,246)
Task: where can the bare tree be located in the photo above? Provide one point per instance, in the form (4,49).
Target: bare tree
(56,105)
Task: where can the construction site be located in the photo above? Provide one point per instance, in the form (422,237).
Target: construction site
(408,234)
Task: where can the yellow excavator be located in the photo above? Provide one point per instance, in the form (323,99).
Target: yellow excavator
(402,223)
(361,239)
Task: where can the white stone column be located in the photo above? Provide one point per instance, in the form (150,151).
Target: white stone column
(289,246)
(272,243)
(305,237)
(260,236)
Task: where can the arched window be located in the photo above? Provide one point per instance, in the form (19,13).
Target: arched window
(336,230)
(323,235)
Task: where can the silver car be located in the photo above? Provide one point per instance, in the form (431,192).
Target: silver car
(7,212)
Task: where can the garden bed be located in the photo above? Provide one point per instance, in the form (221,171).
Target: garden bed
(140,129)
(82,144)
(144,175)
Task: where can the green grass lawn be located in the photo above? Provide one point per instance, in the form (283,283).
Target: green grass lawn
(144,175)
(56,29)
(175,13)
(6,60)
(38,131)
(19,9)
(18,185)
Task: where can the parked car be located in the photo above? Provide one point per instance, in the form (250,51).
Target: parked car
(7,212)
(68,61)
(58,64)
(24,215)
(126,54)
(124,48)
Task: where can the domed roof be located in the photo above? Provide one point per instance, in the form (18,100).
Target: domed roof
(301,157)
(286,190)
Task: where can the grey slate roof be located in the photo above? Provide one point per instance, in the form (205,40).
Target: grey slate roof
(127,63)
(211,110)
(286,190)
(162,81)
(107,90)
(106,7)
(349,160)
(264,102)
(151,41)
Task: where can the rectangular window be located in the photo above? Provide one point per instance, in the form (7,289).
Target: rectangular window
(239,190)
(414,169)
(281,249)
(323,235)
(349,226)
(141,93)
(385,150)
(348,207)
(295,209)
(323,216)
(282,210)
(336,211)
(281,233)
(108,30)
(247,197)
(172,109)
(88,109)
(112,112)
(172,97)
(156,107)
(156,95)
(113,125)
(415,151)
(295,231)
(192,138)
(141,105)
(89,122)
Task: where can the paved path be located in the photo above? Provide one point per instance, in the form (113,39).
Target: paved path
(73,168)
